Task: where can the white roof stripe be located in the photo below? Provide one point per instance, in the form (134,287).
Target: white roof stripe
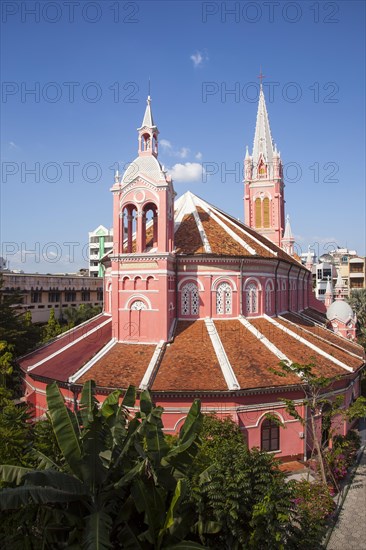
(264,340)
(211,211)
(226,368)
(245,232)
(146,379)
(92,361)
(308,344)
(67,346)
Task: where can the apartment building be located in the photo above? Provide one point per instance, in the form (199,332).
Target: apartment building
(40,293)
(100,242)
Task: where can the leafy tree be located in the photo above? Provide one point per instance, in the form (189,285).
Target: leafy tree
(215,433)
(245,493)
(15,434)
(52,328)
(77,315)
(357,301)
(20,335)
(314,388)
(121,485)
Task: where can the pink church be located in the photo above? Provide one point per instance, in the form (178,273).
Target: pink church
(200,305)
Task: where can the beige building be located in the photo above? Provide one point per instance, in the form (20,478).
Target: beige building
(357,273)
(40,293)
(351,267)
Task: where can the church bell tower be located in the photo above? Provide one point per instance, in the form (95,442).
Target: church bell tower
(264,204)
(142,271)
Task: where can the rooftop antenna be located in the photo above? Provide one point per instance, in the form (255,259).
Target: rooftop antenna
(149,87)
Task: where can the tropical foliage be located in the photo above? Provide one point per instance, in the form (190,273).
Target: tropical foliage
(77,315)
(16,329)
(121,485)
(357,301)
(106,476)
(314,388)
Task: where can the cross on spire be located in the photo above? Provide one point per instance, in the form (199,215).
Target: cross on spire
(261,76)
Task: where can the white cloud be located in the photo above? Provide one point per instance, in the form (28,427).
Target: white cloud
(198,58)
(165,144)
(198,156)
(183,153)
(188,172)
(13,145)
(167,147)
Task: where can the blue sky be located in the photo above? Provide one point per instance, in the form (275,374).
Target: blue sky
(89,65)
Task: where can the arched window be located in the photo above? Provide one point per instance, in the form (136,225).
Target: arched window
(155,144)
(258,212)
(145,142)
(268,298)
(137,283)
(129,226)
(252,298)
(262,169)
(270,435)
(138,305)
(190,299)
(266,212)
(223,299)
(149,282)
(150,226)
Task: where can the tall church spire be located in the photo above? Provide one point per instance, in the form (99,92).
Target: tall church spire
(263,143)
(264,202)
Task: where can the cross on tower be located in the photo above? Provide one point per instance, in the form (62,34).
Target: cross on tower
(261,76)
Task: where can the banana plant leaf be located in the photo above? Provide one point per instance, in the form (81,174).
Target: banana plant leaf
(64,428)
(96,533)
(13,474)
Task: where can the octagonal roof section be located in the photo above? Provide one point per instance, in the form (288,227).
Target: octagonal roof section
(201,228)
(148,167)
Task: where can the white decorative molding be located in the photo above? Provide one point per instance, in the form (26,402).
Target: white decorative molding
(191,279)
(223,279)
(137,297)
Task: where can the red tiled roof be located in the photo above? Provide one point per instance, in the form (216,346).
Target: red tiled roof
(250,358)
(222,234)
(332,350)
(332,337)
(190,363)
(315,315)
(69,361)
(296,351)
(60,342)
(187,238)
(121,366)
